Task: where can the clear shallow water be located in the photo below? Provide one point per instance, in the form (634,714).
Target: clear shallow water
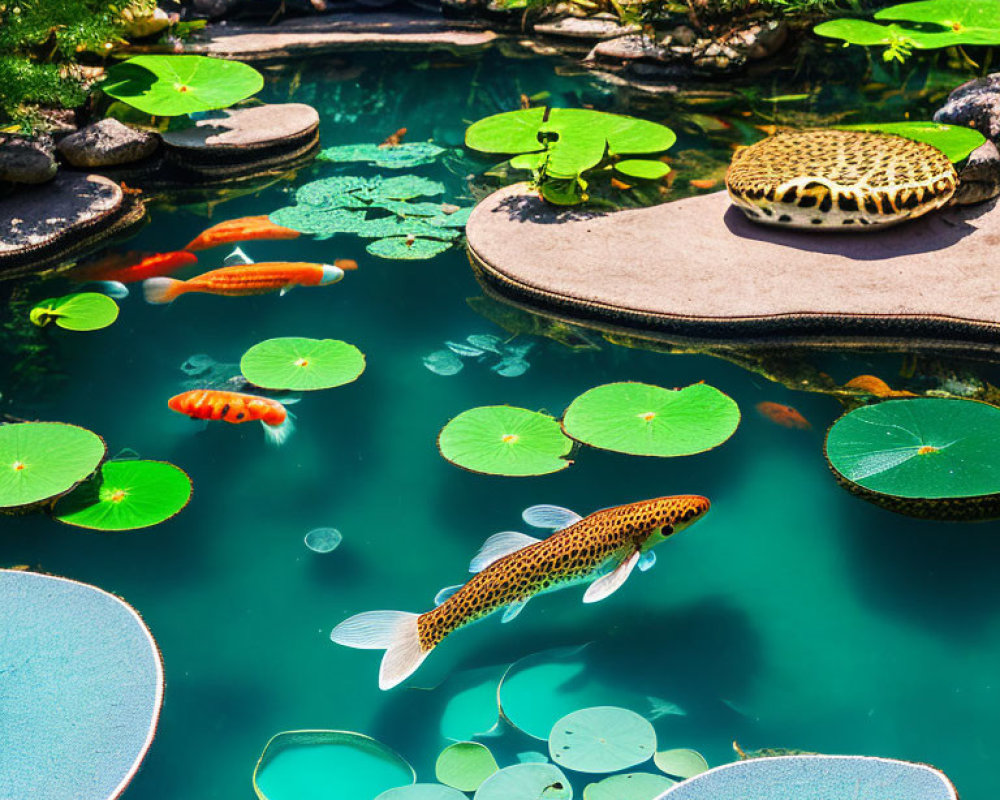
(794,615)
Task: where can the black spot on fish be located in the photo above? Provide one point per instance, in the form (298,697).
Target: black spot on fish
(784,218)
(789,195)
(817,221)
(826,203)
(807,201)
(848,204)
(871,206)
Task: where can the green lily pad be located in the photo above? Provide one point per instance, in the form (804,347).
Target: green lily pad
(408,208)
(457,219)
(334,192)
(955,141)
(321,223)
(526,782)
(505,440)
(862,32)
(471,709)
(41,460)
(631,786)
(126,495)
(402,156)
(928,456)
(322,765)
(640,419)
(975,22)
(422,791)
(465,765)
(642,168)
(680,763)
(393,226)
(172,85)
(83,311)
(300,364)
(602,739)
(404,248)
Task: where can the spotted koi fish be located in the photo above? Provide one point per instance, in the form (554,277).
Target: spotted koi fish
(235,408)
(601,549)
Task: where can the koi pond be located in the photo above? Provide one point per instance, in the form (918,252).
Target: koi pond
(794,615)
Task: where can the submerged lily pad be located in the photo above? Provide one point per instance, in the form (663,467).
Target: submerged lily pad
(465,765)
(472,708)
(82,689)
(526,782)
(642,168)
(505,440)
(602,739)
(645,420)
(422,791)
(323,540)
(83,311)
(929,457)
(126,495)
(955,141)
(631,786)
(328,765)
(301,364)
(405,248)
(816,777)
(41,460)
(680,763)
(321,223)
(401,156)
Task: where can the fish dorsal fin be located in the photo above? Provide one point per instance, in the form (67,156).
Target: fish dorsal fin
(554,517)
(237,258)
(647,560)
(285,290)
(513,610)
(500,545)
(610,583)
(446,592)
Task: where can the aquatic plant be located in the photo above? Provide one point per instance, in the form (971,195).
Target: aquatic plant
(465,765)
(640,419)
(83,683)
(400,156)
(359,766)
(42,460)
(630,786)
(926,457)
(526,782)
(510,357)
(174,85)
(422,791)
(407,248)
(680,763)
(505,440)
(301,364)
(83,311)
(955,141)
(601,739)
(559,146)
(126,495)
(323,540)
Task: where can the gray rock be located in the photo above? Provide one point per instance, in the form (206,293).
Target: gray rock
(630,48)
(975,104)
(979,179)
(107,143)
(24,160)
(593,29)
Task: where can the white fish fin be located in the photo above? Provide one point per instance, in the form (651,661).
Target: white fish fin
(285,290)
(647,560)
(396,632)
(500,545)
(290,401)
(278,434)
(513,610)
(446,592)
(554,517)
(115,289)
(161,290)
(611,582)
(237,258)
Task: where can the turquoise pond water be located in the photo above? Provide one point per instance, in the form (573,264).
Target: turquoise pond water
(793,615)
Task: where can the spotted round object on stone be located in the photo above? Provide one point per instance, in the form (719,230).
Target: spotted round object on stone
(839,180)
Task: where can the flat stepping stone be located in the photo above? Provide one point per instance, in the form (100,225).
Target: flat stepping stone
(337,32)
(698,269)
(41,226)
(82,689)
(816,777)
(245,139)
(585,28)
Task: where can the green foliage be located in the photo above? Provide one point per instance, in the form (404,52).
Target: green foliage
(954,141)
(83,311)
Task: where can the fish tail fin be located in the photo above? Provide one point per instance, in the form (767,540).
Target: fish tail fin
(162,290)
(396,632)
(278,434)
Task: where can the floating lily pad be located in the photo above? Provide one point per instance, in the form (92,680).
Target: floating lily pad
(82,689)
(505,440)
(422,791)
(955,141)
(631,786)
(602,739)
(41,460)
(404,248)
(83,311)
(323,540)
(946,23)
(401,156)
(321,223)
(301,364)
(816,777)
(465,765)
(126,495)
(406,228)
(640,419)
(328,765)
(929,457)
(526,782)
(472,708)
(172,85)
(457,219)
(642,168)
(680,763)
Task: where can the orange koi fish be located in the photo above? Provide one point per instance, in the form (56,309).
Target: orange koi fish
(875,386)
(236,408)
(785,416)
(601,549)
(244,280)
(245,229)
(703,183)
(134,266)
(395,139)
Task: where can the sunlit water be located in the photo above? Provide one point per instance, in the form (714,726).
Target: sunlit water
(794,615)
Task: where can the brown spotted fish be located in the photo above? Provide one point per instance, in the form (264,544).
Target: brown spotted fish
(601,549)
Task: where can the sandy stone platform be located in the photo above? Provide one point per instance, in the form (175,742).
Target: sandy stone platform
(697,269)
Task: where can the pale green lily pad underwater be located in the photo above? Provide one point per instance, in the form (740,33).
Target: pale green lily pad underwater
(842,627)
